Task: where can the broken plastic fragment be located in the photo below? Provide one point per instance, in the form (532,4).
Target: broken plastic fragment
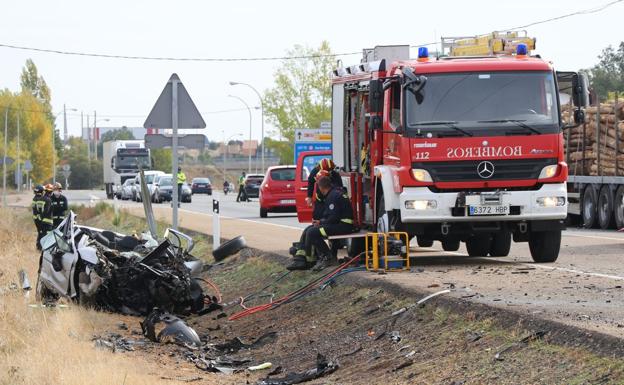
(176,330)
(266,365)
(323,368)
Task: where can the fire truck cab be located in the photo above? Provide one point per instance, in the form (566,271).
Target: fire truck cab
(457,148)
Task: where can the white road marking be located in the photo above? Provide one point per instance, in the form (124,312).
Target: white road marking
(536,265)
(568,234)
(245,220)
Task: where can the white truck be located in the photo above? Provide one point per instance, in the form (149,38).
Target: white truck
(121,160)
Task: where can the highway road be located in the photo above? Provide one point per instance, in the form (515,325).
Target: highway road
(584,287)
(203,203)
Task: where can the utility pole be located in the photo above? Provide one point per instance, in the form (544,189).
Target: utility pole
(4,160)
(95,139)
(65,135)
(19,166)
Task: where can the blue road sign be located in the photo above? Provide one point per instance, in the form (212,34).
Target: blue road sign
(311,146)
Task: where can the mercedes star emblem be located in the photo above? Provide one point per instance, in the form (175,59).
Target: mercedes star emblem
(485,169)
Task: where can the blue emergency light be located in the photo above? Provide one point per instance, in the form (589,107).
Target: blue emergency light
(521,49)
(423,52)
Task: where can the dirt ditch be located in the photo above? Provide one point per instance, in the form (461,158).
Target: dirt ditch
(375,333)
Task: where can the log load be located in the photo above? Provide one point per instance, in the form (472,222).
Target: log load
(596,147)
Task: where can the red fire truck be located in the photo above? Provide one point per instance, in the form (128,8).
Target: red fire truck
(457,148)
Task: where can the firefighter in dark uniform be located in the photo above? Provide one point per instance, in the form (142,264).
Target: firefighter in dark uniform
(327,165)
(42,213)
(59,205)
(337,219)
(303,261)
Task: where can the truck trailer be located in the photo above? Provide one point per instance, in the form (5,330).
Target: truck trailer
(121,161)
(458,148)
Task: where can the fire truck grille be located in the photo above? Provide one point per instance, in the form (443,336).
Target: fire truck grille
(500,169)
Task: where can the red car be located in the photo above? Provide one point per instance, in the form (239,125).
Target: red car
(277,192)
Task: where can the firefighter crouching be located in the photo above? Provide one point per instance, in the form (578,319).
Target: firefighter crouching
(59,205)
(327,166)
(42,213)
(337,219)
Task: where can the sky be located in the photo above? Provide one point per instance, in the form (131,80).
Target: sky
(124,91)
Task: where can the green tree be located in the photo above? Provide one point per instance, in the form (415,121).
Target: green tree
(36,85)
(301,96)
(161,158)
(608,75)
(85,173)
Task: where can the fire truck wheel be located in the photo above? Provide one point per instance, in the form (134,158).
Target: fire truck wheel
(618,207)
(478,245)
(450,244)
(501,244)
(589,206)
(424,242)
(545,245)
(605,208)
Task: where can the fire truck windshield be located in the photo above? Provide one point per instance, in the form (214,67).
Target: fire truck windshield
(483,103)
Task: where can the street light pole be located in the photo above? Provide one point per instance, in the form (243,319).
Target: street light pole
(248,110)
(19,168)
(54,138)
(4,160)
(262,117)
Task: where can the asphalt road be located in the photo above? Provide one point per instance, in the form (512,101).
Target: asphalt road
(584,287)
(203,203)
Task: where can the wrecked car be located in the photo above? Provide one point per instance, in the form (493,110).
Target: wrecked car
(121,273)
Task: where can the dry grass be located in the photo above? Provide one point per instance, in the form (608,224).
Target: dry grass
(53,346)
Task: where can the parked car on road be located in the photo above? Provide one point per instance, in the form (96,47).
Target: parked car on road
(252,185)
(201,186)
(164,192)
(277,193)
(127,189)
(150,176)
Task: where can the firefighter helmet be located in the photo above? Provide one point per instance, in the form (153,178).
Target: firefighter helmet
(326,164)
(321,174)
(49,187)
(38,189)
(58,186)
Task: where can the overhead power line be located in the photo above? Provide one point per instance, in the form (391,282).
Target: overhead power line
(577,13)
(273,58)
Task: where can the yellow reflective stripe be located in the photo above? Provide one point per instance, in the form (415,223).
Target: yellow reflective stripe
(46,220)
(322,230)
(347,220)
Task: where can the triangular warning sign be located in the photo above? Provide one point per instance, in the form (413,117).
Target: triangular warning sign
(188,115)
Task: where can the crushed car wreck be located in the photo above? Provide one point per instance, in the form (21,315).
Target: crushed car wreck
(120,273)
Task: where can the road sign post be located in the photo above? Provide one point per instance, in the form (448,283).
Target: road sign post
(216,223)
(174,109)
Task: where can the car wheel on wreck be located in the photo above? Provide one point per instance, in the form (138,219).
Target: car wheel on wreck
(229,248)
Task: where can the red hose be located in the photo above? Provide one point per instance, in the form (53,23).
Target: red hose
(305,289)
(214,287)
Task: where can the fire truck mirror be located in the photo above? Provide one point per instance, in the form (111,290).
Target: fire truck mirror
(375,96)
(581,91)
(412,82)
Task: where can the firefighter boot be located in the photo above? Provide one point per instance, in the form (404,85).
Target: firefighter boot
(324,262)
(299,263)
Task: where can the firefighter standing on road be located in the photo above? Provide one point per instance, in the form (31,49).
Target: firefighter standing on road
(42,213)
(181,177)
(59,205)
